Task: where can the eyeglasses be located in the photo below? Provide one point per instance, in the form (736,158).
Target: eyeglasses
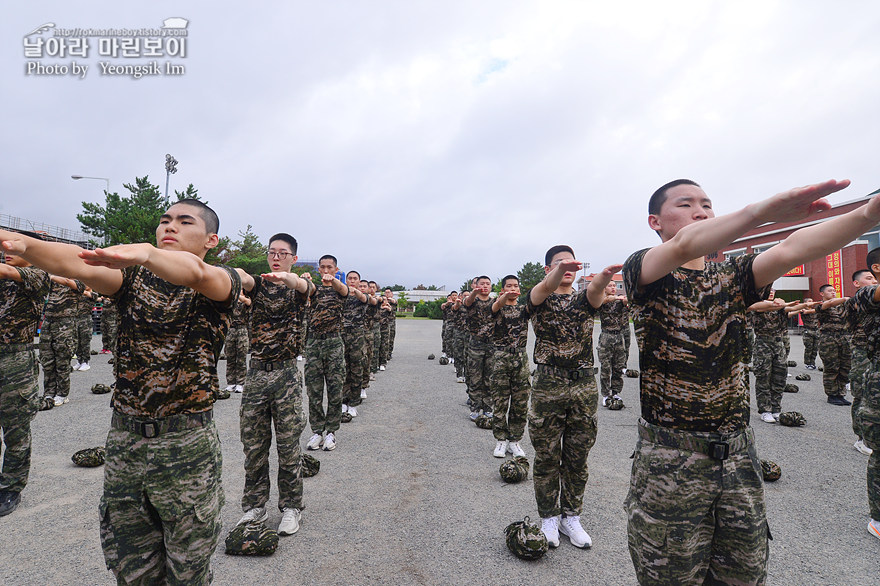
(278,255)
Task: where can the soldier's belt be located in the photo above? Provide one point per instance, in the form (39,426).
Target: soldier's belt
(566,373)
(13,348)
(475,342)
(509,349)
(269,366)
(326,336)
(150,428)
(715,445)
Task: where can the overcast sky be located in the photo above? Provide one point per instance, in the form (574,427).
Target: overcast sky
(427,142)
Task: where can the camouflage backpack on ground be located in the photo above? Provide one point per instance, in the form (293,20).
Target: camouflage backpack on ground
(431,357)
(632,373)
(792,419)
(222,394)
(90,457)
(93,353)
(444,361)
(615,404)
(251,539)
(46,403)
(770,470)
(310,465)
(792,363)
(100,389)
(526,540)
(791,388)
(483,422)
(802,377)
(514,470)
(346,417)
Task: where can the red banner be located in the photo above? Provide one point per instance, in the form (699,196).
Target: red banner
(832,265)
(795,272)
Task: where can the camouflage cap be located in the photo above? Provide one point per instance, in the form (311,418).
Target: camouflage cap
(792,363)
(90,457)
(310,465)
(93,353)
(802,377)
(770,470)
(792,419)
(821,369)
(525,540)
(483,422)
(615,404)
(443,360)
(100,389)
(632,373)
(222,394)
(251,539)
(431,357)
(514,469)
(346,417)
(46,403)
(791,388)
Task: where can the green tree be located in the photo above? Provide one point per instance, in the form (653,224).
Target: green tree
(530,275)
(300,269)
(125,219)
(402,302)
(396,287)
(248,253)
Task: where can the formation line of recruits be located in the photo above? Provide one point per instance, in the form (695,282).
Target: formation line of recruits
(695,508)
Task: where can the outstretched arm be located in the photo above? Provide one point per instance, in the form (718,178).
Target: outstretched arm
(596,288)
(545,288)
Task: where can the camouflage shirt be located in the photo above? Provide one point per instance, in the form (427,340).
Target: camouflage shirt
(691,330)
(388,315)
(563,327)
(354,312)
(63,301)
(459,317)
(511,327)
(276,312)
(85,303)
(832,319)
(858,322)
(811,320)
(21,305)
(240,314)
(480,321)
(371,317)
(868,312)
(325,313)
(612,316)
(770,323)
(167,346)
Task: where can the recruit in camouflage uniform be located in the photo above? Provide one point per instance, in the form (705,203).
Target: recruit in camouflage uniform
(770,360)
(695,425)
(857,323)
(834,348)
(238,346)
(811,336)
(109,324)
(392,324)
(371,318)
(611,349)
(377,330)
(510,385)
(22,291)
(460,339)
(58,337)
(85,326)
(325,353)
(385,314)
(354,340)
(273,388)
(480,351)
(448,331)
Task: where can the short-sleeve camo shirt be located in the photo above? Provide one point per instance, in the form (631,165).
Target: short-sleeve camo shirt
(770,323)
(325,313)
(832,319)
(811,320)
(371,316)
(858,322)
(21,305)
(240,315)
(691,331)
(168,343)
(276,313)
(563,327)
(868,319)
(354,312)
(63,301)
(85,303)
(480,320)
(511,327)
(612,316)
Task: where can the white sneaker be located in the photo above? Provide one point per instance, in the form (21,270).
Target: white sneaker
(344,408)
(255,515)
(874,528)
(605,401)
(381,367)
(84,366)
(363,393)
(474,414)
(59,400)
(550,528)
(299,358)
(353,411)
(767,417)
(372,376)
(329,442)
(617,397)
(289,521)
(460,379)
(452,361)
(230,388)
(443,355)
(861,447)
(516,450)
(500,449)
(239,388)
(315,442)
(571,526)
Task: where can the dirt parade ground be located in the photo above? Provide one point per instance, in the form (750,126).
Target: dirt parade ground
(412,494)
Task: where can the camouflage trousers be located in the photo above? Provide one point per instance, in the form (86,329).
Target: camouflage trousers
(459,349)
(627,340)
(479,361)
(562,427)
(770,367)
(272,397)
(355,343)
(750,334)
(693,519)
(392,333)
(445,335)
(811,346)
(869,425)
(160,511)
(612,361)
(57,339)
(836,355)
(368,358)
(377,347)
(325,362)
(384,333)
(237,346)
(109,325)
(19,401)
(857,375)
(84,327)
(510,388)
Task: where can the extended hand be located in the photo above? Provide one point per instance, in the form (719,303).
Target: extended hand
(117,257)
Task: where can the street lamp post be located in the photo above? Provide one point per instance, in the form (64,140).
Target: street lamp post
(78,177)
(170,169)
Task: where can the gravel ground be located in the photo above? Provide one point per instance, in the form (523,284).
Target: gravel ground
(412,494)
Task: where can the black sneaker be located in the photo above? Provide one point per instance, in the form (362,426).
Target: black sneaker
(8,501)
(842,401)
